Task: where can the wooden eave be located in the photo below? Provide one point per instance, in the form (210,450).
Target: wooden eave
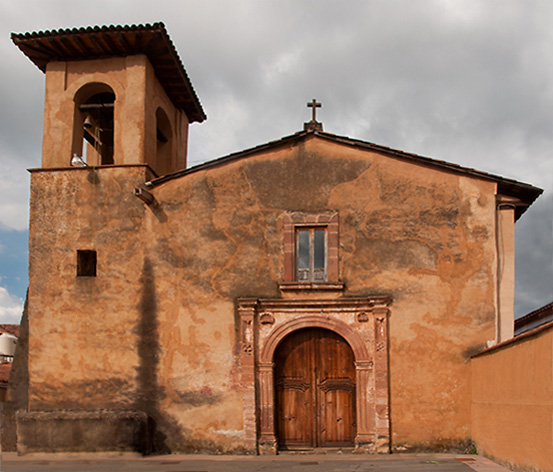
(99,42)
(535,315)
(526,194)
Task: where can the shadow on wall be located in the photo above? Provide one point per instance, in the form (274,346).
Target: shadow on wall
(148,355)
(164,433)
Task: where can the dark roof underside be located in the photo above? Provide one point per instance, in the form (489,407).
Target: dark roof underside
(535,315)
(97,42)
(526,193)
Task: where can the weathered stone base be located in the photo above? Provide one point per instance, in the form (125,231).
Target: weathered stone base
(82,431)
(372,448)
(267,446)
(455,446)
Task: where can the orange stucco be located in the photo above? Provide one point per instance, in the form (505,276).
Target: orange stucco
(512,401)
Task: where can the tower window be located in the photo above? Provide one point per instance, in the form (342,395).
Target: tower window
(164,158)
(98,128)
(86,263)
(93,136)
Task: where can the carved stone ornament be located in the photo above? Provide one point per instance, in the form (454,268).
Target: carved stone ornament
(266,319)
(247,337)
(367,338)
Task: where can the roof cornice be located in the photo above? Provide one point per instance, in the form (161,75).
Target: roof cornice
(98,42)
(525,193)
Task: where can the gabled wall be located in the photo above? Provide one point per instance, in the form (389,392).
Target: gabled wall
(156,330)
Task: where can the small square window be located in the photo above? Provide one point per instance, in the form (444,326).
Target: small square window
(86,263)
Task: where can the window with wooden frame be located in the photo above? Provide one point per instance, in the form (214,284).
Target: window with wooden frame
(310,249)
(311,254)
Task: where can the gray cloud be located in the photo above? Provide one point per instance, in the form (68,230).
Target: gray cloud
(469,82)
(534,257)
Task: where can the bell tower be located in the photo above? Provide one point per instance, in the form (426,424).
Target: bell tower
(115,95)
(118,103)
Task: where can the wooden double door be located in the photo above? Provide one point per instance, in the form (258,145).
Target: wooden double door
(315,390)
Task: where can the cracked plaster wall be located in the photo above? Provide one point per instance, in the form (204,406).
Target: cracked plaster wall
(424,237)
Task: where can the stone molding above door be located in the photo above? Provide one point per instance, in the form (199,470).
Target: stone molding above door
(362,322)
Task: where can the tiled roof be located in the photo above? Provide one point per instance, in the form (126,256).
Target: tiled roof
(525,192)
(96,42)
(541,315)
(10,329)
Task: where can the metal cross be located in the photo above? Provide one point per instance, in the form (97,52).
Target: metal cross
(314,104)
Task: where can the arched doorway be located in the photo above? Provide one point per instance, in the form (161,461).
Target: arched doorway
(267,325)
(314,379)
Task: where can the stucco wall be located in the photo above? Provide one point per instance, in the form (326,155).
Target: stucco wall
(425,238)
(156,330)
(512,402)
(84,331)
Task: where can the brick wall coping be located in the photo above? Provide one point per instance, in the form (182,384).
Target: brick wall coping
(518,339)
(109,166)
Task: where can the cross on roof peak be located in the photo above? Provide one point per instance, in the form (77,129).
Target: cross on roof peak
(313,125)
(314,104)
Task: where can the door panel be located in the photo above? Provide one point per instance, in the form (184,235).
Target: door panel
(315,390)
(336,390)
(336,412)
(294,391)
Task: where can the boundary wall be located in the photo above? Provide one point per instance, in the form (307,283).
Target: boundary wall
(512,401)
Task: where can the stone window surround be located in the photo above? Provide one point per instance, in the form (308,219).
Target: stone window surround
(362,322)
(295,219)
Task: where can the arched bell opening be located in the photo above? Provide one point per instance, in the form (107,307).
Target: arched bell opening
(93,133)
(164,143)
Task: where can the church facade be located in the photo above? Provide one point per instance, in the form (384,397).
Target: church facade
(315,291)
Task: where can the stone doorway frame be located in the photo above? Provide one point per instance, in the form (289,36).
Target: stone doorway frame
(362,322)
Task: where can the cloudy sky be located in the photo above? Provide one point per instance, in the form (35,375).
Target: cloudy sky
(470,82)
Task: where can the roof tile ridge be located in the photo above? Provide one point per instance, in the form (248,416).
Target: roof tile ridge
(535,312)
